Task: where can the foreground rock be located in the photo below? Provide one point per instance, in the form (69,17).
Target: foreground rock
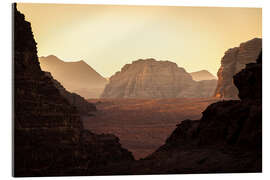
(233,62)
(228,137)
(149,78)
(76,77)
(48,136)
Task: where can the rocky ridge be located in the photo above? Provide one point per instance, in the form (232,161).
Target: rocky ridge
(83,106)
(149,78)
(233,62)
(77,76)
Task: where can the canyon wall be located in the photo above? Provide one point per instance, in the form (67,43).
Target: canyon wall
(49,139)
(233,62)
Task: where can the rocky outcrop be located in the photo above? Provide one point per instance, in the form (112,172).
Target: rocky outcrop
(76,76)
(202,75)
(233,62)
(249,81)
(148,78)
(48,136)
(228,137)
(83,106)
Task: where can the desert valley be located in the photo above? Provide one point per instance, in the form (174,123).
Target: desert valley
(149,117)
(145,100)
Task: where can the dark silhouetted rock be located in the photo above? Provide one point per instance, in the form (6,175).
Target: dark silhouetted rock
(48,136)
(249,80)
(233,62)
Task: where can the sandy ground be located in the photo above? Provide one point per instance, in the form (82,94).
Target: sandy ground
(143,125)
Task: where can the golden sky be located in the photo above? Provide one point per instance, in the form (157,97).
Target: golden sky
(108,36)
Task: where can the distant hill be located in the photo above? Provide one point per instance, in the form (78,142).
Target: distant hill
(202,75)
(76,76)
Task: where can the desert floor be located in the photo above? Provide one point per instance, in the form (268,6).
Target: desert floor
(143,125)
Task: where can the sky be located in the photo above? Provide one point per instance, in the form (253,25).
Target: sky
(109,36)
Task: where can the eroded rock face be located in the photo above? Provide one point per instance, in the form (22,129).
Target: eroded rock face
(233,62)
(228,137)
(48,136)
(149,78)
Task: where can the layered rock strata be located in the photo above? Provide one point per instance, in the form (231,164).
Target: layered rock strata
(149,78)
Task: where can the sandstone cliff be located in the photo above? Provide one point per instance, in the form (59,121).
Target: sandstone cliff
(233,62)
(76,77)
(228,137)
(48,136)
(148,78)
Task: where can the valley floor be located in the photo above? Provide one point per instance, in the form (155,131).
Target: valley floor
(143,124)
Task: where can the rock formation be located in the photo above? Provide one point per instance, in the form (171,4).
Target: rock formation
(48,136)
(233,62)
(228,137)
(83,106)
(202,75)
(76,77)
(149,78)
(204,88)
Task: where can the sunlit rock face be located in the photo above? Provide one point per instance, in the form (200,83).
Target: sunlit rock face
(233,62)
(149,78)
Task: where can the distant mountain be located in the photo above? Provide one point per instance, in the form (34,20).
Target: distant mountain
(234,60)
(149,78)
(202,75)
(76,76)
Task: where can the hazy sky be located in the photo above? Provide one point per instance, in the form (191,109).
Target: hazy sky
(108,37)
